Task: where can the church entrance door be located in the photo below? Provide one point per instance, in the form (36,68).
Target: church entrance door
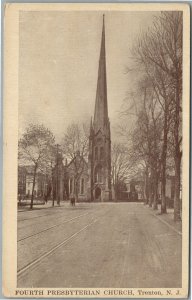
(98,194)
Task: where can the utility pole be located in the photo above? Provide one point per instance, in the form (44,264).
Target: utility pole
(57,183)
(45,186)
(52,175)
(57,173)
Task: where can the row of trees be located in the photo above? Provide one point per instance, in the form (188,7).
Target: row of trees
(156,139)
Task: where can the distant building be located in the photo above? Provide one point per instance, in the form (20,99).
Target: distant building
(21,180)
(135,190)
(169,190)
(25,182)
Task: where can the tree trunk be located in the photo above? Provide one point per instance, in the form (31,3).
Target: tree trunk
(163,190)
(53,202)
(76,190)
(58,186)
(151,198)
(53,190)
(177,157)
(146,188)
(177,206)
(34,178)
(151,194)
(155,206)
(163,169)
(116,192)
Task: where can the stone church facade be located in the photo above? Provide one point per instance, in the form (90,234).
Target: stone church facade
(94,183)
(99,159)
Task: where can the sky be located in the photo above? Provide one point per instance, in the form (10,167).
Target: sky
(58,65)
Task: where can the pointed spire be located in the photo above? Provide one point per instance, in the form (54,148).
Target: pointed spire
(101,109)
(91,127)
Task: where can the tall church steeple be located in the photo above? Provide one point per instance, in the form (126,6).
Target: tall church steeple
(101,109)
(100,139)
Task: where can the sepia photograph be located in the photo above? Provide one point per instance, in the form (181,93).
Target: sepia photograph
(96,147)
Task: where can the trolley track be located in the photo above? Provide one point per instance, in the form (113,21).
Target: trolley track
(36,261)
(51,227)
(40,216)
(58,215)
(53,215)
(61,209)
(52,250)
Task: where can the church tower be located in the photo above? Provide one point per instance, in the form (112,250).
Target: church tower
(100,137)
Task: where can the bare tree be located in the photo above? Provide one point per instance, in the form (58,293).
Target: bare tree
(146,135)
(122,166)
(75,148)
(35,148)
(146,138)
(50,170)
(159,55)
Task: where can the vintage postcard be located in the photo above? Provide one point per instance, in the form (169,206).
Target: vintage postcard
(96,150)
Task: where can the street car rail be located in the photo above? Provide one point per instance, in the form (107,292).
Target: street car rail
(65,241)
(53,226)
(53,213)
(59,216)
(40,216)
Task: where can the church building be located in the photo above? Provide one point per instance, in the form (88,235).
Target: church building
(99,160)
(89,180)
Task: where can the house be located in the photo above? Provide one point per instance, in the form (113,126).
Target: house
(25,182)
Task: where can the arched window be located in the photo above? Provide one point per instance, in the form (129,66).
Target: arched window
(101,153)
(99,174)
(96,153)
(95,177)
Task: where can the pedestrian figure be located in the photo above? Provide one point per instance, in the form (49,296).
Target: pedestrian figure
(72,201)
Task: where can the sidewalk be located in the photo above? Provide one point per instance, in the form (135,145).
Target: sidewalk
(167,218)
(42,206)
